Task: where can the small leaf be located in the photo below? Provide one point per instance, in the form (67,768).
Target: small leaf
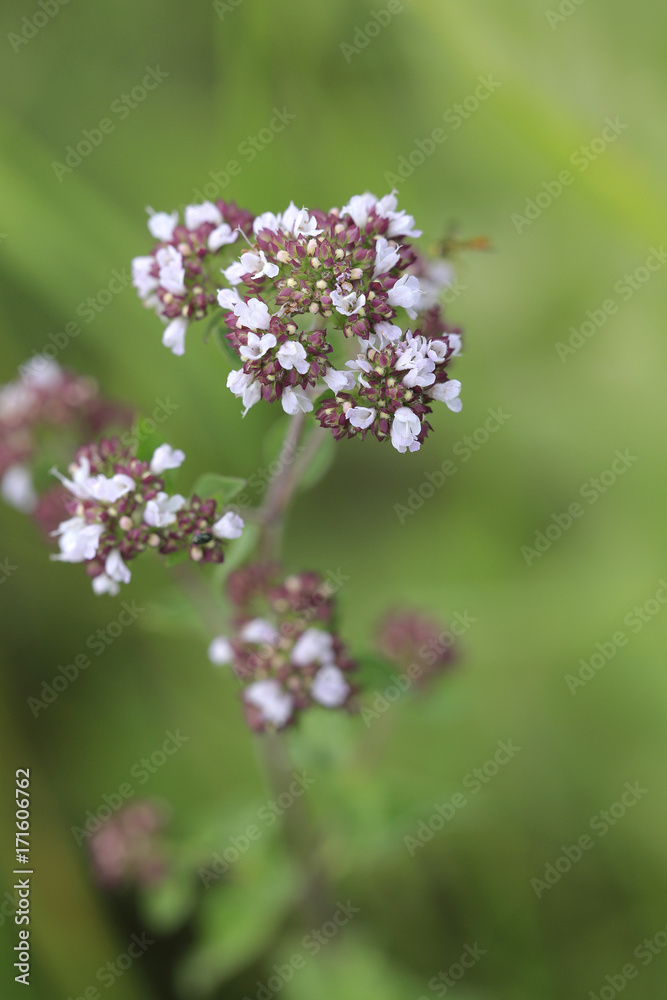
(375,673)
(167,905)
(223,488)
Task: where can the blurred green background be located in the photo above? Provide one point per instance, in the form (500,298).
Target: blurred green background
(558,78)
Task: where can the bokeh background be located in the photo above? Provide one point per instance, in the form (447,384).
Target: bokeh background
(558,78)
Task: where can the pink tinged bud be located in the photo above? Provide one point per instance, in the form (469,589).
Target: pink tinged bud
(174,336)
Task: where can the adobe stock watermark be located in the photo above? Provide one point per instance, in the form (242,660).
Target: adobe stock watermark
(141,772)
(110,972)
(222,7)
(364,34)
(600,824)
(97,642)
(624,288)
(7,569)
(121,108)
(88,310)
(581,159)
(267,815)
(564,11)
(428,656)
(455,116)
(591,491)
(464,449)
(605,651)
(247,151)
(442,982)
(473,782)
(44,12)
(312,943)
(645,952)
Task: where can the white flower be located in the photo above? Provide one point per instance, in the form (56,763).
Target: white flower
(274,703)
(267,220)
(220,651)
(17,488)
(254,315)
(292,354)
(142,279)
(294,400)
(228,298)
(161,225)
(359,208)
(437,350)
(360,416)
(313,646)
(455,343)
(172,272)
(221,236)
(405,429)
(115,568)
(406,293)
(234,273)
(230,525)
(448,393)
(257,346)
(103,489)
(165,457)
(347,304)
(439,274)
(259,631)
(243,385)
(339,381)
(386,256)
(78,540)
(103,585)
(388,333)
(299,222)
(41,373)
(195,215)
(329,687)
(402,224)
(174,336)
(161,511)
(258,263)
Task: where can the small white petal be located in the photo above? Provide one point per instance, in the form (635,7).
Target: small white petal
(230,525)
(161,225)
(259,631)
(17,488)
(329,687)
(220,651)
(228,298)
(103,585)
(295,400)
(273,702)
(235,272)
(195,215)
(292,354)
(253,314)
(165,457)
(221,236)
(360,416)
(115,568)
(313,646)
(174,336)
(339,381)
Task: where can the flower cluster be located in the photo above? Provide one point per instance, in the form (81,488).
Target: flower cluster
(284,648)
(416,643)
(120,508)
(127,848)
(180,277)
(305,284)
(43,398)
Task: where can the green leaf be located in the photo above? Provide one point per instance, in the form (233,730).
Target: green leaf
(223,488)
(375,673)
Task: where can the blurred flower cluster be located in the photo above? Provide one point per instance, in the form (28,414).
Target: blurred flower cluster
(305,283)
(127,849)
(284,647)
(43,412)
(120,508)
